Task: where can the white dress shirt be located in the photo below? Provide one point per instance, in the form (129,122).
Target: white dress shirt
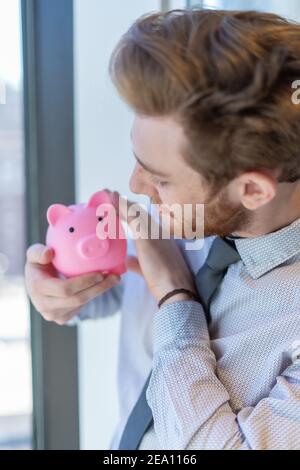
(232,384)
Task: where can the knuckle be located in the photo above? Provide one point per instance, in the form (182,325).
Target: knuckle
(80,299)
(33,251)
(48,316)
(110,282)
(67,290)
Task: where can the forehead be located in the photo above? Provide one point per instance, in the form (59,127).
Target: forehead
(157,133)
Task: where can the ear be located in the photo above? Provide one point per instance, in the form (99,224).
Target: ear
(55,212)
(257,188)
(101,197)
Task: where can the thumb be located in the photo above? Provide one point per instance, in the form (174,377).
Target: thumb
(39,254)
(134,265)
(130,211)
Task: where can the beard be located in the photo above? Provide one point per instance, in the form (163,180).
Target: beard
(221,217)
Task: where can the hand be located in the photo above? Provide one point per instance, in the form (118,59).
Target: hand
(57,299)
(159,261)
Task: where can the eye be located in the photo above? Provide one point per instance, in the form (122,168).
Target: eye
(71,229)
(158,182)
(100,219)
(162,184)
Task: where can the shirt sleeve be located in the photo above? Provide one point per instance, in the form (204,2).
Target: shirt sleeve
(191,407)
(102,306)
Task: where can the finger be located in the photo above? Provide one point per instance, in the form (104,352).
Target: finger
(60,307)
(121,205)
(70,315)
(133,265)
(84,296)
(138,219)
(63,317)
(39,254)
(64,288)
(130,211)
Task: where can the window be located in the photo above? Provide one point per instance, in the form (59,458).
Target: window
(290,8)
(15,353)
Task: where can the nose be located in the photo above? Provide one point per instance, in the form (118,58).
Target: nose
(92,247)
(138,183)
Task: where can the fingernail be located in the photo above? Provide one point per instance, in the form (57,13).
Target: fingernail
(45,251)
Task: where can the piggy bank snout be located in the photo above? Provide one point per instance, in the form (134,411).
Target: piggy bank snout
(92,247)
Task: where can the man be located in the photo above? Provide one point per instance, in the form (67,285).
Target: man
(215,124)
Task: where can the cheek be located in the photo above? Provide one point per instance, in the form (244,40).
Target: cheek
(190,202)
(170,194)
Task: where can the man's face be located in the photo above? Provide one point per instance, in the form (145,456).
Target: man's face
(162,174)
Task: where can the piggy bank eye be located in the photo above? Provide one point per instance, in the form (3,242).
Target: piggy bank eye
(71,229)
(100,219)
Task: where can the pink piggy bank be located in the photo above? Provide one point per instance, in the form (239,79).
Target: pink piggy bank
(73,234)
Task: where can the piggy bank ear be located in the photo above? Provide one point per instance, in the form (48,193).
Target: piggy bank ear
(55,212)
(101,197)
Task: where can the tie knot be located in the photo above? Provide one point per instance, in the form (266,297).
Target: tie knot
(222,253)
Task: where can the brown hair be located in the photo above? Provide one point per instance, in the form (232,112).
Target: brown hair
(226,77)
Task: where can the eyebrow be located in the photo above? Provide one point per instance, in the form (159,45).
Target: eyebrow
(148,169)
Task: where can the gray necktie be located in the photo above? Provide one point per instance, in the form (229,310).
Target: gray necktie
(221,255)
(138,422)
(223,252)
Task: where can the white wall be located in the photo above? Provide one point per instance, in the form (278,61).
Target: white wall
(103,159)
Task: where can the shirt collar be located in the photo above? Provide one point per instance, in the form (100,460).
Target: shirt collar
(264,253)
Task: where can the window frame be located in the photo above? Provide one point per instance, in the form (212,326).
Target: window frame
(47,32)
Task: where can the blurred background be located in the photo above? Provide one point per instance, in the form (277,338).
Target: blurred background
(64,133)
